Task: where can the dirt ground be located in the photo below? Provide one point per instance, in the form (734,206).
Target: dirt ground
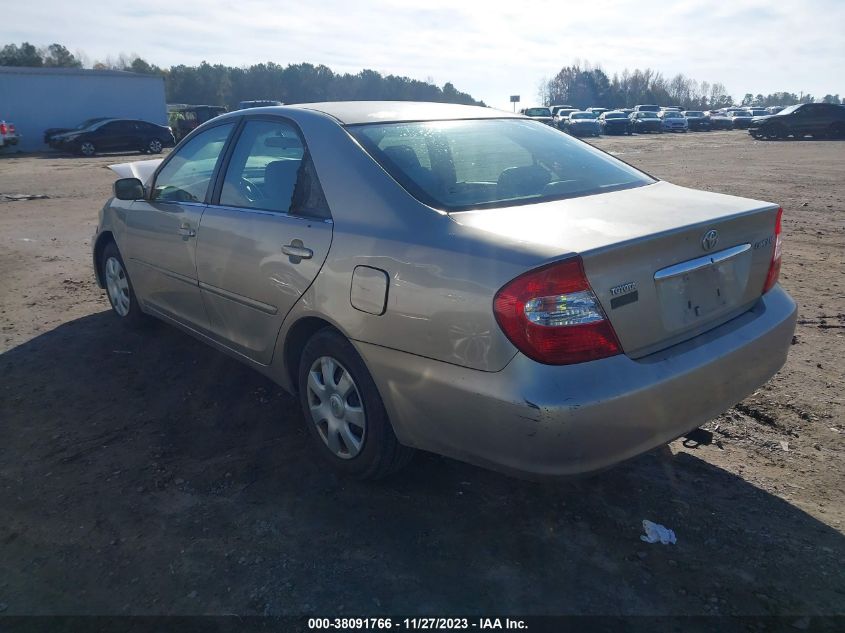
(148,474)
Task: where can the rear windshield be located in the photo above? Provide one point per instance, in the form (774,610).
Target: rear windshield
(538,112)
(582,115)
(473,164)
(692,113)
(615,115)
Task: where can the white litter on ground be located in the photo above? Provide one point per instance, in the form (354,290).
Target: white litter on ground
(656,533)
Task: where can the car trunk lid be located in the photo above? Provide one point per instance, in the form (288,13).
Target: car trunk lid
(666,263)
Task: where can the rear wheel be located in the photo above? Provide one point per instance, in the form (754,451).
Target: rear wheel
(344,412)
(86,148)
(119,287)
(837,130)
(154,146)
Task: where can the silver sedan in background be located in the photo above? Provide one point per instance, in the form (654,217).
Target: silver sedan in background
(453,279)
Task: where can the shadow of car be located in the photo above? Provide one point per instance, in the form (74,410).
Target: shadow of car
(168,467)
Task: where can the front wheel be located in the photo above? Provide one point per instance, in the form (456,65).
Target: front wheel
(87,148)
(119,288)
(344,412)
(154,146)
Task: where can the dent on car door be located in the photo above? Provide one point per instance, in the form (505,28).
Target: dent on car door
(263,241)
(162,230)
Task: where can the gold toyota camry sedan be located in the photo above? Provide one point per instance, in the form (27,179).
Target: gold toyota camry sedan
(452,279)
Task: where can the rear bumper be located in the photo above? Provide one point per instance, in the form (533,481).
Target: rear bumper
(545,421)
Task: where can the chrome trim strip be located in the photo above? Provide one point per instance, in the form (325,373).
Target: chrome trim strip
(700,262)
(250,303)
(277,214)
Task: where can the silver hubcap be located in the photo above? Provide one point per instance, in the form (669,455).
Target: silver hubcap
(155,146)
(87,149)
(336,407)
(117,285)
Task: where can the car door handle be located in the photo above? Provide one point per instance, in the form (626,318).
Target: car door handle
(186,231)
(296,249)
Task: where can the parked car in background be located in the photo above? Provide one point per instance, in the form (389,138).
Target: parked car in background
(115,135)
(615,122)
(553,275)
(49,133)
(542,114)
(554,109)
(645,121)
(670,109)
(673,121)
(598,111)
(562,117)
(582,124)
(757,111)
(186,118)
(647,108)
(740,119)
(697,121)
(258,103)
(820,120)
(719,120)
(774,109)
(8,134)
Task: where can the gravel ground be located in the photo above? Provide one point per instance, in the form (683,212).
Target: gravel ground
(148,474)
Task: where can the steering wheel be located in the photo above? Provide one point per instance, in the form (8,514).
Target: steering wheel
(250,190)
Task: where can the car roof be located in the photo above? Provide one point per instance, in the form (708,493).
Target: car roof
(354,112)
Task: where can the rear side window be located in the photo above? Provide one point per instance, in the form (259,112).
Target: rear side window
(475,164)
(186,175)
(271,170)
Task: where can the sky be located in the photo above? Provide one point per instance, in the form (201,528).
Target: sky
(489,49)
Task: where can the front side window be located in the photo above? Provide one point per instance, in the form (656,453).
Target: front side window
(271,170)
(186,175)
(494,163)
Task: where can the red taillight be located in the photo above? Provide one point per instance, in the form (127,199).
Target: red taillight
(11,128)
(552,315)
(774,266)
(3,128)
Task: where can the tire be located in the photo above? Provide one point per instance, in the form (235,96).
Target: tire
(87,148)
(154,146)
(335,387)
(119,288)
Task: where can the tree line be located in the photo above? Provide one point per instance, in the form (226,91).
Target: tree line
(584,85)
(580,85)
(217,84)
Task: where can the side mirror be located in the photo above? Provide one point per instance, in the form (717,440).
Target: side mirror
(128,189)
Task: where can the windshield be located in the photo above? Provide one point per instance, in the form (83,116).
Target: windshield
(538,112)
(88,123)
(671,114)
(741,113)
(646,115)
(615,115)
(582,115)
(472,164)
(693,113)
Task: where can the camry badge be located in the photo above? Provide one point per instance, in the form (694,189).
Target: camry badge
(708,242)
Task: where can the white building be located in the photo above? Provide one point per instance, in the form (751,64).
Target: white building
(35,99)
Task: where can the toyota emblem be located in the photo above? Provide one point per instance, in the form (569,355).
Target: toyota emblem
(708,242)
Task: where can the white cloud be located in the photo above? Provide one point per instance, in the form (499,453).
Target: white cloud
(489,49)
